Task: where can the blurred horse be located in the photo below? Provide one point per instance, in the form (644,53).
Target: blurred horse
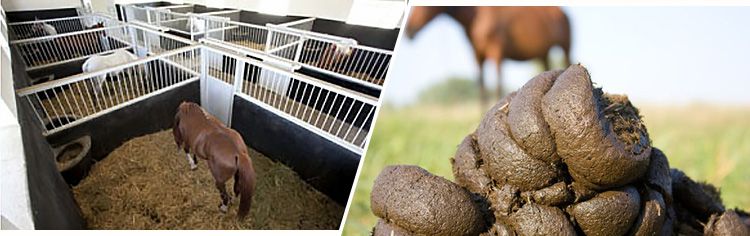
(334,55)
(41,29)
(37,30)
(81,44)
(63,47)
(497,33)
(104,61)
(200,133)
(195,26)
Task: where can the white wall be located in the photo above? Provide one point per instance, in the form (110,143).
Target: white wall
(27,5)
(108,6)
(329,9)
(14,188)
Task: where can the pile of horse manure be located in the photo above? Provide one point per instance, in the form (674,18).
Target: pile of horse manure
(557,157)
(147,184)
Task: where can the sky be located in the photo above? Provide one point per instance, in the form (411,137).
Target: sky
(664,55)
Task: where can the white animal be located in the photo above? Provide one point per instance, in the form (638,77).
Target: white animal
(196,25)
(100,62)
(42,29)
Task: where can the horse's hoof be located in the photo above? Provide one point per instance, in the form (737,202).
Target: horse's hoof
(193,167)
(223,208)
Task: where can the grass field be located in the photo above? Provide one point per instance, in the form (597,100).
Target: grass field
(709,143)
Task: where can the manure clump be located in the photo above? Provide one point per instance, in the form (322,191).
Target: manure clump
(557,157)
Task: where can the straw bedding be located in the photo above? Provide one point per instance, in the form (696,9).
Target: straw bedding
(146,184)
(249,44)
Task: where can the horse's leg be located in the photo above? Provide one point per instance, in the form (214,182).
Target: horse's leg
(191,160)
(546,62)
(225,198)
(495,54)
(221,173)
(499,88)
(236,187)
(480,80)
(96,86)
(566,54)
(482,92)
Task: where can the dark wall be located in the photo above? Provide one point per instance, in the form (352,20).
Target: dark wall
(327,166)
(155,4)
(261,19)
(370,36)
(52,203)
(121,13)
(340,82)
(111,130)
(203,9)
(19,16)
(59,71)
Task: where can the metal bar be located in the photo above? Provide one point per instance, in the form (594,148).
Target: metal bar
(22,41)
(75,78)
(312,128)
(71,60)
(118,106)
(218,12)
(325,85)
(297,22)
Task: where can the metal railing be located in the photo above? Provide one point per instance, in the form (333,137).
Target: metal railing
(340,56)
(183,8)
(34,29)
(47,51)
(304,24)
(176,19)
(135,13)
(243,35)
(335,113)
(63,103)
(291,42)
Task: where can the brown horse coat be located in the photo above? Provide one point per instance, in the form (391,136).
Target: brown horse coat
(334,56)
(200,133)
(497,33)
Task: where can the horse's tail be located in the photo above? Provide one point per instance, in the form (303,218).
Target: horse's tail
(245,176)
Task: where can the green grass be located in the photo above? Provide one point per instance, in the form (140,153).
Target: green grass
(709,143)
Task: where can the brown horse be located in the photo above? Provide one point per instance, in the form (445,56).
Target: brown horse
(200,133)
(497,33)
(334,56)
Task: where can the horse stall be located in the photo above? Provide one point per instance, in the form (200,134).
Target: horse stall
(55,56)
(179,20)
(122,15)
(337,59)
(59,103)
(334,59)
(112,143)
(40,28)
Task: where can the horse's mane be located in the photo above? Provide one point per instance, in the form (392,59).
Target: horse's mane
(192,107)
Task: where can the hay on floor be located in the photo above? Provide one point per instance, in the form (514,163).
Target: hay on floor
(249,44)
(146,184)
